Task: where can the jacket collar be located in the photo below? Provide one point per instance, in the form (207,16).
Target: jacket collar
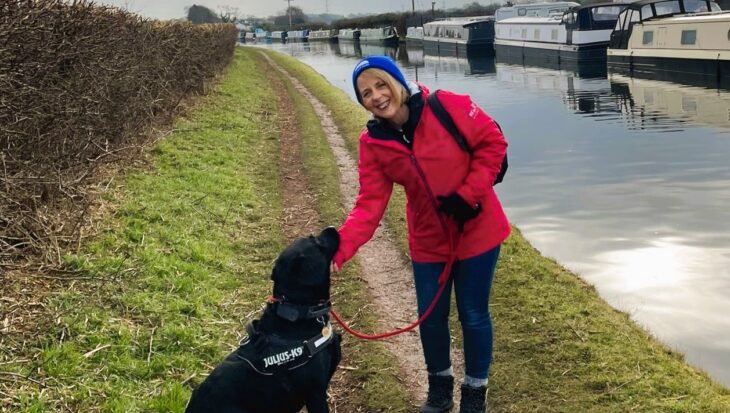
(381,129)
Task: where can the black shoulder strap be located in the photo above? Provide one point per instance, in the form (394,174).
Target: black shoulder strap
(443,116)
(448,123)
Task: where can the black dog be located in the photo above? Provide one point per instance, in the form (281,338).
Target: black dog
(291,353)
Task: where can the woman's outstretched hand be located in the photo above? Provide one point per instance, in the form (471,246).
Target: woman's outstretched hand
(334,269)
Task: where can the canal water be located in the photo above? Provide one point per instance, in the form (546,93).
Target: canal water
(624,181)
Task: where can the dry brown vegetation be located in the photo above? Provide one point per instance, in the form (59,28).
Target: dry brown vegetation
(79,86)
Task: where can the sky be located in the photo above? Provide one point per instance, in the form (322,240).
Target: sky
(174,9)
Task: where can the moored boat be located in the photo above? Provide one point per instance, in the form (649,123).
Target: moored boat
(383,35)
(297,35)
(578,33)
(685,41)
(279,36)
(348,35)
(328,35)
(459,36)
(414,36)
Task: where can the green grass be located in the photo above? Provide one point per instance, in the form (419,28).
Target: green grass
(558,346)
(182,261)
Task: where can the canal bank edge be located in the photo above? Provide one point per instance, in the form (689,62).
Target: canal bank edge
(558,345)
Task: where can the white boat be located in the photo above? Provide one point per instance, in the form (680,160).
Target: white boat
(459,36)
(382,35)
(297,35)
(578,33)
(684,41)
(414,36)
(348,34)
(329,35)
(278,36)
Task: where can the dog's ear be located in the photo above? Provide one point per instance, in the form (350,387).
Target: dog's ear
(329,240)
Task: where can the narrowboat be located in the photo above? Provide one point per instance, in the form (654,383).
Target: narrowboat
(297,35)
(579,33)
(384,35)
(459,37)
(350,35)
(414,36)
(327,35)
(684,41)
(278,36)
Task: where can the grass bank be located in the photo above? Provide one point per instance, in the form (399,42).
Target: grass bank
(559,347)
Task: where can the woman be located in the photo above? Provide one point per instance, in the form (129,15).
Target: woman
(452,209)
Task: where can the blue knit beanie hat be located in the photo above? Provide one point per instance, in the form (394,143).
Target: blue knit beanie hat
(377,62)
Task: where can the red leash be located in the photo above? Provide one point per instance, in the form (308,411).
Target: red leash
(442,284)
(443,278)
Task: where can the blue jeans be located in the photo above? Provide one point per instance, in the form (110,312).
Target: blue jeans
(472,281)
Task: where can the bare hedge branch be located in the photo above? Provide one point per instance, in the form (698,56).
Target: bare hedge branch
(79,84)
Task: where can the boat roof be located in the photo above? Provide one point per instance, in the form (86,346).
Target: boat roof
(605,4)
(460,21)
(556,19)
(541,4)
(641,3)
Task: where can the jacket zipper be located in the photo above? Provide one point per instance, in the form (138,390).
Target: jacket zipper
(415,163)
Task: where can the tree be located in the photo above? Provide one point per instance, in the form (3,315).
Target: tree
(201,14)
(297,17)
(229,14)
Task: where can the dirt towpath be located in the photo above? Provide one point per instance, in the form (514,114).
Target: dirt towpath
(387,273)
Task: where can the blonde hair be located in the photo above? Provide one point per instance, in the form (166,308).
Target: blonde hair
(400,94)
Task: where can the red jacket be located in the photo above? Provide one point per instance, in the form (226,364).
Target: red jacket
(447,168)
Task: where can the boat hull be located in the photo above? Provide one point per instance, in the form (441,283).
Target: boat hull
(387,41)
(696,71)
(550,52)
(458,49)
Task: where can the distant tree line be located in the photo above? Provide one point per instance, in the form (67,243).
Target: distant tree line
(300,20)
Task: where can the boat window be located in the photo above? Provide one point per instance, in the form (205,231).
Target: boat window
(646,12)
(621,20)
(714,6)
(554,34)
(695,6)
(689,37)
(536,34)
(648,38)
(666,7)
(728,34)
(605,13)
(521,11)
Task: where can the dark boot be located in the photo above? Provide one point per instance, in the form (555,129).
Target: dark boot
(440,394)
(473,399)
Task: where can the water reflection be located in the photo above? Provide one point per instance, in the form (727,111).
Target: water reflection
(653,98)
(456,65)
(640,104)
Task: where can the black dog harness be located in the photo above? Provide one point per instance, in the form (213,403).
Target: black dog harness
(269,354)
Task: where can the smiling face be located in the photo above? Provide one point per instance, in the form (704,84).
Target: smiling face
(381,95)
